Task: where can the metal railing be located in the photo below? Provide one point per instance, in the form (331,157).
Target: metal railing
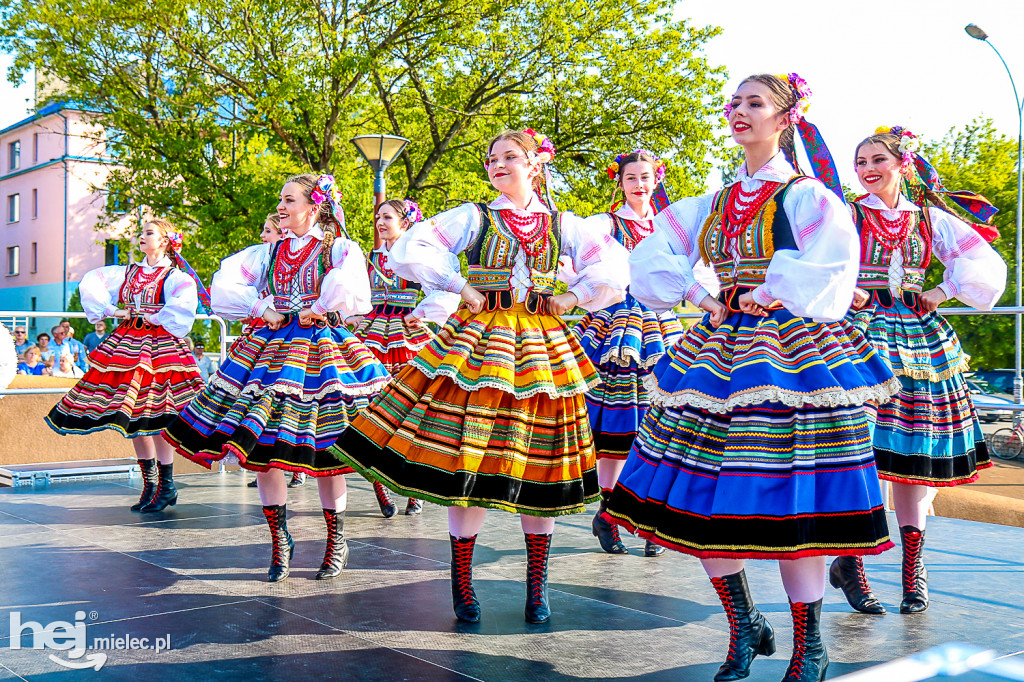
(77,314)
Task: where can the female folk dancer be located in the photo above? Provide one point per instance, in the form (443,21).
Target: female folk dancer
(756,445)
(491,413)
(142,374)
(929,435)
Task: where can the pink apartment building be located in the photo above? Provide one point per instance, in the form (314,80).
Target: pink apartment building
(51,165)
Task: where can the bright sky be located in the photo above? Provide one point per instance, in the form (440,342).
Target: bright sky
(875,62)
(869,62)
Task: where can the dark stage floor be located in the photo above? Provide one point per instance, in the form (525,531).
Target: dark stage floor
(196,575)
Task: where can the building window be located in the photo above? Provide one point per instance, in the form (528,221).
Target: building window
(12,261)
(35,203)
(35,256)
(14,155)
(32,320)
(35,147)
(112,252)
(13,208)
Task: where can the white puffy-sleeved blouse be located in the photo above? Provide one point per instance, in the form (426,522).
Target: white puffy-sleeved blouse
(436,306)
(974,273)
(816,280)
(235,293)
(425,254)
(100,290)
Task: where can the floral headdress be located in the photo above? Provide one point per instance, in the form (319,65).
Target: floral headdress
(326,190)
(909,144)
(412,211)
(614,168)
(545,147)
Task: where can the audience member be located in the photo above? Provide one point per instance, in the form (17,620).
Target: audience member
(67,368)
(21,342)
(92,340)
(60,343)
(78,352)
(45,352)
(205,362)
(32,364)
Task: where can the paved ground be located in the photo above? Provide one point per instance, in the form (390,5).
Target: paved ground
(196,574)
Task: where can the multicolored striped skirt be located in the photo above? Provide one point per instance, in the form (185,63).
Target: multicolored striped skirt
(757,443)
(280,400)
(390,338)
(489,414)
(929,434)
(623,341)
(140,377)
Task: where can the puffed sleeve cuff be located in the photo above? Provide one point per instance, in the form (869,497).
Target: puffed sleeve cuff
(583,292)
(109,311)
(950,289)
(261,307)
(455,283)
(762,296)
(317,308)
(696,293)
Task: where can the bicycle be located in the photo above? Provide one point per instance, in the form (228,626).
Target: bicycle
(1008,442)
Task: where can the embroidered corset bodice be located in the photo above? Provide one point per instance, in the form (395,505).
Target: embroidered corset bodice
(143,293)
(629,233)
(493,256)
(742,260)
(388,288)
(876,259)
(295,278)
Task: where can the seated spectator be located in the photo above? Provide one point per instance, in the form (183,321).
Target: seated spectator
(78,351)
(21,342)
(205,362)
(60,343)
(32,364)
(67,368)
(92,340)
(45,352)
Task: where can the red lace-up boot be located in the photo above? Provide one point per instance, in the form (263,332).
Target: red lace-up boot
(810,660)
(537,549)
(607,533)
(847,574)
(915,575)
(750,634)
(384,501)
(150,478)
(464,601)
(282,545)
(336,556)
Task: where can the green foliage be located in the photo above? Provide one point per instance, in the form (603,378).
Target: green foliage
(207,106)
(977,158)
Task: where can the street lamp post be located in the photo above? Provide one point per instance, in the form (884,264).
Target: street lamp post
(977,33)
(380,151)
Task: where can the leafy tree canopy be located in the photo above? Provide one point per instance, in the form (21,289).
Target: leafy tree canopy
(208,106)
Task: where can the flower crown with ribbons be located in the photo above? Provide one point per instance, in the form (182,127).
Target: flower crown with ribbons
(176,240)
(326,190)
(545,152)
(919,175)
(615,167)
(799,87)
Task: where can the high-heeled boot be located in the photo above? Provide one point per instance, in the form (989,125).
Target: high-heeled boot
(336,556)
(384,501)
(915,575)
(166,494)
(607,533)
(281,543)
(538,547)
(150,477)
(652,549)
(810,660)
(750,634)
(464,601)
(847,574)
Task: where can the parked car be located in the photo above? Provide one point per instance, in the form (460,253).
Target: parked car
(990,406)
(1000,379)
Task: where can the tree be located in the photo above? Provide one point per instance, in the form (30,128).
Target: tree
(207,106)
(977,158)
